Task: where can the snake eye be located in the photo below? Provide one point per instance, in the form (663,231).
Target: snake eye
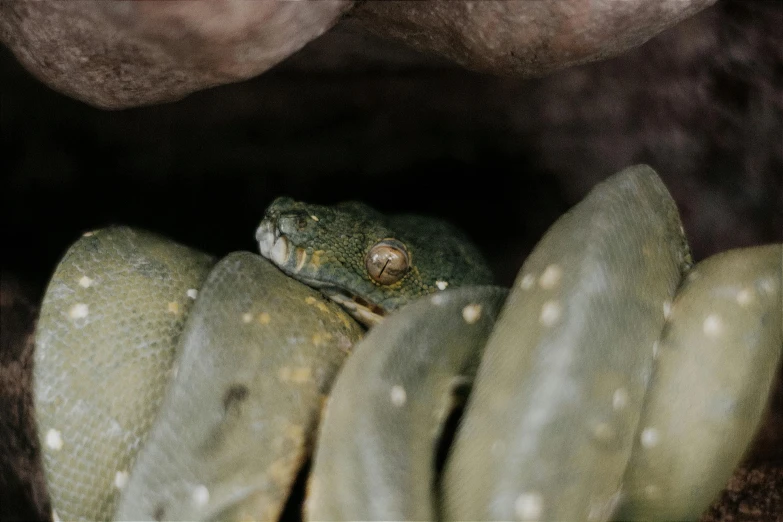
(387,261)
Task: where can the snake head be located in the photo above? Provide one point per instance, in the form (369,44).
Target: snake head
(366,261)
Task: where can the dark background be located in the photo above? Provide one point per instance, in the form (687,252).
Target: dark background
(354,117)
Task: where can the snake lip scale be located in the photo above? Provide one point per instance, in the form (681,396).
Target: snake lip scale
(274,245)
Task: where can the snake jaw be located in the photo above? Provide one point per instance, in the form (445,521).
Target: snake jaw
(366,314)
(271,243)
(275,246)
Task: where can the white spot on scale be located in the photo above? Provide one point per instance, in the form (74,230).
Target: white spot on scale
(88,234)
(437,299)
(550,313)
(114,428)
(192,293)
(651,491)
(620,399)
(398,395)
(655,349)
(442,285)
(713,326)
(529,506)
(649,437)
(527,282)
(120,479)
(551,277)
(767,285)
(471,313)
(314,218)
(85,282)
(744,297)
(200,495)
(667,309)
(247,317)
(54,440)
(79,311)
(56,517)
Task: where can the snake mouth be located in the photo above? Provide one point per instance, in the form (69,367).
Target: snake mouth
(274,245)
(364,312)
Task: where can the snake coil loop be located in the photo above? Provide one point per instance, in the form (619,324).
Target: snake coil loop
(613,381)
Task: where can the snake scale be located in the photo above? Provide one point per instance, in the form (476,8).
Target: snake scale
(614,380)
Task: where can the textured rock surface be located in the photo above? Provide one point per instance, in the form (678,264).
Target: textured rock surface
(754,493)
(124,53)
(522,37)
(127,53)
(22,488)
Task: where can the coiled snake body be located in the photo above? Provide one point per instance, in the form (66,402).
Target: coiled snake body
(613,380)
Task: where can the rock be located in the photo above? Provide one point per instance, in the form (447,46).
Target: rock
(23,494)
(752,494)
(126,53)
(521,37)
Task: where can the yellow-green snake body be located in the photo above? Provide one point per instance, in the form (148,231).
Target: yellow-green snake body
(613,379)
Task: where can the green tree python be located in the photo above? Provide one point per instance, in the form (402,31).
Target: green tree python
(614,380)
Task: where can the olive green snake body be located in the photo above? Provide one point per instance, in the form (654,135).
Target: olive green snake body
(613,381)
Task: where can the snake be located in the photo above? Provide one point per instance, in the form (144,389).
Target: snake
(127,311)
(615,379)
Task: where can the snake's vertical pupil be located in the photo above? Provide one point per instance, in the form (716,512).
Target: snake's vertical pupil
(387,261)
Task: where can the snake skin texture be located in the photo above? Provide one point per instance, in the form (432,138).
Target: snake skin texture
(615,380)
(409,372)
(237,423)
(577,330)
(105,344)
(716,360)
